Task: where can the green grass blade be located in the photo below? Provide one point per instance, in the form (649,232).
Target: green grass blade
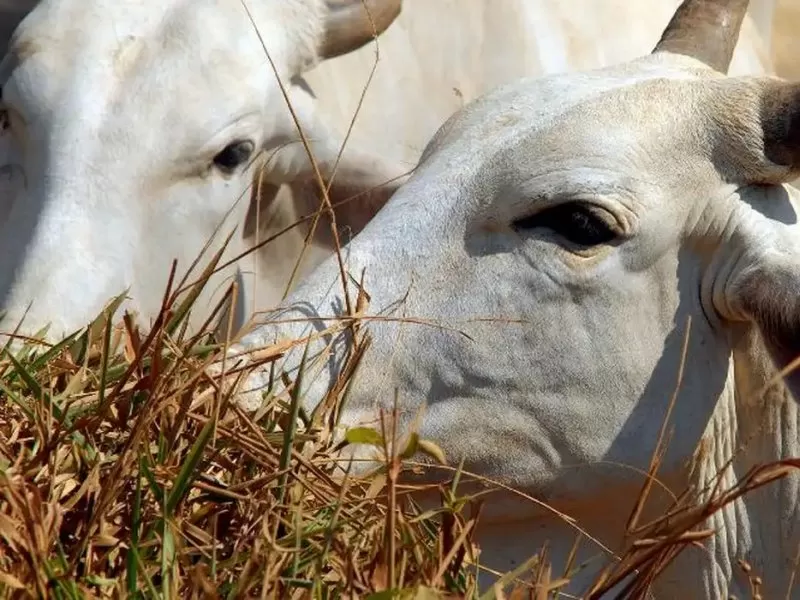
(104,363)
(194,292)
(151,480)
(291,428)
(150,587)
(17,401)
(53,352)
(188,472)
(136,522)
(28,379)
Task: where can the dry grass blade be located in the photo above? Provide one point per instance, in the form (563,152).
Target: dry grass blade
(111,487)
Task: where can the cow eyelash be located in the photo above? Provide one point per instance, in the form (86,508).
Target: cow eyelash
(577,222)
(5,118)
(234,155)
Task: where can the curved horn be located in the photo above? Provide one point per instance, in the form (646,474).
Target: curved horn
(706,30)
(348,25)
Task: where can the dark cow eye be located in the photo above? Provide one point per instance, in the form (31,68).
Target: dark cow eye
(234,155)
(576,222)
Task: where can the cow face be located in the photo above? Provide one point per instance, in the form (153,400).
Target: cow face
(133,132)
(566,246)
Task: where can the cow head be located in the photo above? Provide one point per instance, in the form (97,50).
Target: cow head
(132,134)
(533,285)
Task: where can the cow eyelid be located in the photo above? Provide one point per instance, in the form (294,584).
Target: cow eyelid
(577,222)
(234,155)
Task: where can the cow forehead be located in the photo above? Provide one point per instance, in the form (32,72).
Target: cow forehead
(108,70)
(116,43)
(576,106)
(71,28)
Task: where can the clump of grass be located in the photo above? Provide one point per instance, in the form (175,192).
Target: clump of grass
(126,471)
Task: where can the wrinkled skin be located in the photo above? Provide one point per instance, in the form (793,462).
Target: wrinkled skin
(119,108)
(574,346)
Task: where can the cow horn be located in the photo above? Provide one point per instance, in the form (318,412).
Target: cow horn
(348,25)
(706,30)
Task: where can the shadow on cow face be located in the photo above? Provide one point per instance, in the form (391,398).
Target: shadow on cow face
(138,131)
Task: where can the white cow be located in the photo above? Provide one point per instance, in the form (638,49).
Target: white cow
(535,281)
(135,127)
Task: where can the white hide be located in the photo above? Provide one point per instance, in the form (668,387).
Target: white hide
(548,366)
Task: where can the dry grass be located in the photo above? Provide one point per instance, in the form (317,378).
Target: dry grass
(126,471)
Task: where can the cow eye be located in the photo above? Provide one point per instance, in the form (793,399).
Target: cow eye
(234,155)
(577,222)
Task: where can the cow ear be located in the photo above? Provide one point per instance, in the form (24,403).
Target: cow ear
(357,189)
(358,181)
(358,186)
(762,285)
